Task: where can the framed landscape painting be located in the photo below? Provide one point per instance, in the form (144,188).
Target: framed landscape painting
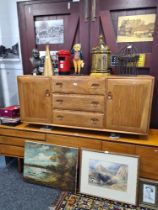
(51,165)
(109,175)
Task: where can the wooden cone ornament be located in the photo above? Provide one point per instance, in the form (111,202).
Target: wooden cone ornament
(48,66)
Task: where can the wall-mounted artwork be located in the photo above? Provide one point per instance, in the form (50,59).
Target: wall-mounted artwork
(9,53)
(136,28)
(49,31)
(51,165)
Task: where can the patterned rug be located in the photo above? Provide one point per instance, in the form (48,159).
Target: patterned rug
(70,201)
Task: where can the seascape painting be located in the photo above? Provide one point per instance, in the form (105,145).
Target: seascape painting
(51,165)
(108,175)
(136,28)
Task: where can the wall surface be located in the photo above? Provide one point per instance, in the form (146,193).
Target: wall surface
(9,68)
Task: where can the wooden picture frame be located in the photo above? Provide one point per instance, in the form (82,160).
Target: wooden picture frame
(109,175)
(148,193)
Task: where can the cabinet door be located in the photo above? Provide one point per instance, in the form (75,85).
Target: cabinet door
(148,161)
(105,16)
(35,99)
(71,27)
(129,104)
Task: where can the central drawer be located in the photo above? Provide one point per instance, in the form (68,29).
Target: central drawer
(79,102)
(79,119)
(79,85)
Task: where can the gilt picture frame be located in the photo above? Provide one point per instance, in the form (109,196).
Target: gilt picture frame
(136,28)
(51,165)
(148,193)
(109,175)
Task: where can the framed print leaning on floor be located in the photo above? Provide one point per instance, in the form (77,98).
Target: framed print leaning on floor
(148,193)
(109,175)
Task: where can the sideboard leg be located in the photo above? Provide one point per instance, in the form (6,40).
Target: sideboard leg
(20,165)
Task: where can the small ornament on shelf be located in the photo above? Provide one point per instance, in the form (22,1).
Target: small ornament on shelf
(100,58)
(36,62)
(48,66)
(78,62)
(127,60)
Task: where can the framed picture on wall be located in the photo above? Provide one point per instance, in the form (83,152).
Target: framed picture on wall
(136,28)
(109,175)
(148,193)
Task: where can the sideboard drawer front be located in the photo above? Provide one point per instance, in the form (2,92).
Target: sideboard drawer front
(74,141)
(9,140)
(118,147)
(148,161)
(79,119)
(79,85)
(13,151)
(21,133)
(79,102)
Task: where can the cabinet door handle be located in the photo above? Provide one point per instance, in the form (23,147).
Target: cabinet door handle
(60,117)
(109,96)
(95,85)
(47,93)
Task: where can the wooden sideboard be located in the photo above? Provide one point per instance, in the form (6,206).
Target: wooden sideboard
(114,103)
(12,140)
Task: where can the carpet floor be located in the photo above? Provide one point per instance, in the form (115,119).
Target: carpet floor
(16,194)
(71,201)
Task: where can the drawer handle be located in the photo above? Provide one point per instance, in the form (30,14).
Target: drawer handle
(59,84)
(47,93)
(94,120)
(60,117)
(94,103)
(156,150)
(59,101)
(95,85)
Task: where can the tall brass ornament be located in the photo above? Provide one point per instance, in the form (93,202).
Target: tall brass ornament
(100,56)
(48,66)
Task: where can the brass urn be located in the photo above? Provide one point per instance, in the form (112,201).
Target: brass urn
(100,56)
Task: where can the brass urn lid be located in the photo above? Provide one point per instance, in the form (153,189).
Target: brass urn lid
(101,47)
